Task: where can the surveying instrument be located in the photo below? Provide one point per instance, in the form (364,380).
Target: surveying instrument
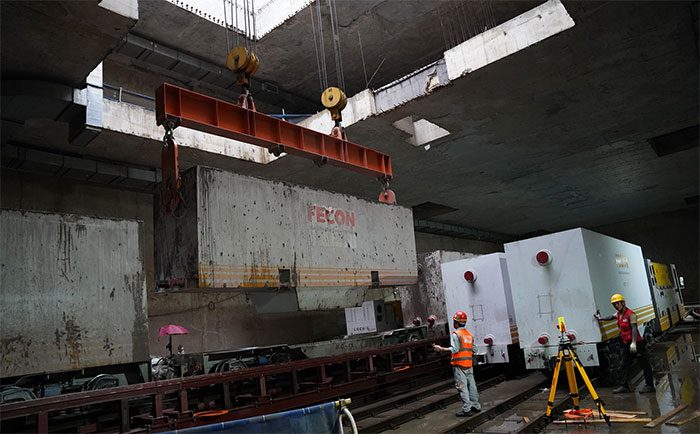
(568,355)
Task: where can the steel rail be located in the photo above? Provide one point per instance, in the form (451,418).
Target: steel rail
(157,389)
(222,118)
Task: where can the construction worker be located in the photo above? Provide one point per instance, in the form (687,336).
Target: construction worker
(633,343)
(462,349)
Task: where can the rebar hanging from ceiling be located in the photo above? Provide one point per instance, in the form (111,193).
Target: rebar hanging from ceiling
(461,20)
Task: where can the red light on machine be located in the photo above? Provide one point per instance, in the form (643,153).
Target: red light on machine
(488,341)
(470,276)
(543,339)
(544,257)
(571,336)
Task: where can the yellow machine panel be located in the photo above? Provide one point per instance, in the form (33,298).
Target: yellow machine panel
(662,275)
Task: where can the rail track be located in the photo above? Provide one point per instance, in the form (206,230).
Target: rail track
(507,406)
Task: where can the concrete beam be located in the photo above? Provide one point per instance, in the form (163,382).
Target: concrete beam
(456,231)
(140,122)
(81,109)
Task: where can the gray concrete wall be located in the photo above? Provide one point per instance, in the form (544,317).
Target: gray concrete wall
(224,320)
(73,290)
(33,192)
(426,243)
(217,320)
(670,237)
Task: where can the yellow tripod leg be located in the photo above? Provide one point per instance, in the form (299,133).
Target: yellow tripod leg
(553,387)
(598,402)
(571,377)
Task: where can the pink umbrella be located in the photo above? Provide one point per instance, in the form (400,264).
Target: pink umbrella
(170,330)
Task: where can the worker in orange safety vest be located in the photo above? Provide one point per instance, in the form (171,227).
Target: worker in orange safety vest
(462,349)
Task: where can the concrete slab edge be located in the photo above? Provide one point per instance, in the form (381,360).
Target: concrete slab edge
(514,35)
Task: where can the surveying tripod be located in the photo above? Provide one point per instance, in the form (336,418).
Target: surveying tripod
(568,355)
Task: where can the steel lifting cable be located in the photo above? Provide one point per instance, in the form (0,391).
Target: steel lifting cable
(238,29)
(255,37)
(250,26)
(245,23)
(228,43)
(336,43)
(323,46)
(318,59)
(320,46)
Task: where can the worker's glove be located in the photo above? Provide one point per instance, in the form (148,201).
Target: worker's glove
(597,315)
(633,347)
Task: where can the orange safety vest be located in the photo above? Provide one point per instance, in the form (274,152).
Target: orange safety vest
(463,357)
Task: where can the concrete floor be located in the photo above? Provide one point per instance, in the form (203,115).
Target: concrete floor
(675,363)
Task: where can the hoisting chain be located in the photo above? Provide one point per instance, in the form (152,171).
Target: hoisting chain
(171,191)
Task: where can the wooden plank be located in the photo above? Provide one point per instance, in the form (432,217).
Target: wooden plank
(664,417)
(620,415)
(626,412)
(612,420)
(681,422)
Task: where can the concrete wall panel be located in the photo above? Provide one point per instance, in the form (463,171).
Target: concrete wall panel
(250,232)
(73,292)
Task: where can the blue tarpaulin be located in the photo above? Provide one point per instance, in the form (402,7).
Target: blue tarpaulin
(323,418)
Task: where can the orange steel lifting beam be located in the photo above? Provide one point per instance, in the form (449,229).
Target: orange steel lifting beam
(204,113)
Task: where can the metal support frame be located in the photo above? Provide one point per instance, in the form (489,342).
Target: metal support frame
(204,113)
(162,415)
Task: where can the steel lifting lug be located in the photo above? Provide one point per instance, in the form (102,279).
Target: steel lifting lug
(338,131)
(387,195)
(276,151)
(246,101)
(320,161)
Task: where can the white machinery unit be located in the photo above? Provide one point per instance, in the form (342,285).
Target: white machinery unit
(573,274)
(665,290)
(288,247)
(480,287)
(372,316)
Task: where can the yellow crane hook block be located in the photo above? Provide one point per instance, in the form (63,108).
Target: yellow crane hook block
(335,101)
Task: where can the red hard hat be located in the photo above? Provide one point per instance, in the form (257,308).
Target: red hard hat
(460,317)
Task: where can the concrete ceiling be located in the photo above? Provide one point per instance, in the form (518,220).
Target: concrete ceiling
(551,137)
(60,41)
(554,136)
(396,38)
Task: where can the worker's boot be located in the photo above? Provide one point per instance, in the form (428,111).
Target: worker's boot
(647,389)
(621,389)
